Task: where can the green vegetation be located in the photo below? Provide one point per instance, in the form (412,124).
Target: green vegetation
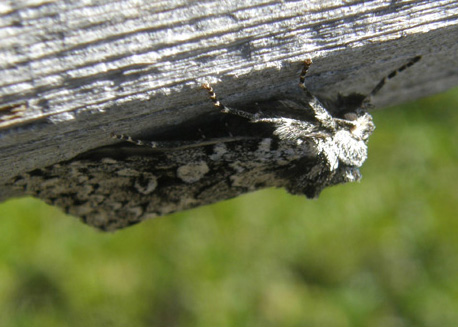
(380,253)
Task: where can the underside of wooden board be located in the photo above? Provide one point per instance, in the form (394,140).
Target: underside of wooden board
(73,73)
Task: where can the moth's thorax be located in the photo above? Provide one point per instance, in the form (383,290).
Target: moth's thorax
(363,126)
(281,143)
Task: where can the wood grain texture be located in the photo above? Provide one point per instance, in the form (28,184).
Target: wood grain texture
(72,72)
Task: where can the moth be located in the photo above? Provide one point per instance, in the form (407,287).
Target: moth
(291,144)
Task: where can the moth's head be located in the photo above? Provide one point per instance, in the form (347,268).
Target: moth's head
(361,125)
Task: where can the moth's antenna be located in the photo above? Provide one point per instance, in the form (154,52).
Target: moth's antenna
(367,100)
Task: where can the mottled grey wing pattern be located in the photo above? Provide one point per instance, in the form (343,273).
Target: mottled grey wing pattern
(299,146)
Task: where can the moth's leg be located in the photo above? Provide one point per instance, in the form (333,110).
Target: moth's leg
(350,120)
(367,102)
(176,145)
(150,144)
(321,114)
(254,118)
(223,108)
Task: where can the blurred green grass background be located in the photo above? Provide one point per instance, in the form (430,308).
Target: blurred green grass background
(383,252)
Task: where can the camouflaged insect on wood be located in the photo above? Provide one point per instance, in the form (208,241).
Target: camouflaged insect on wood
(297,145)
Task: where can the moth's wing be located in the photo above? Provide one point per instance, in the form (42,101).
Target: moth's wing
(112,193)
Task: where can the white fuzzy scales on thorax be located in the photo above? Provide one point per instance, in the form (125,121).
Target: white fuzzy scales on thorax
(292,144)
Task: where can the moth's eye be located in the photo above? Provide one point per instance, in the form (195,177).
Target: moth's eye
(350,116)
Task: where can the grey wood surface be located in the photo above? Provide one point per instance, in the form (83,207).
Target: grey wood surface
(72,72)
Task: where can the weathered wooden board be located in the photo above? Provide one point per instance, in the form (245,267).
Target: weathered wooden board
(72,72)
